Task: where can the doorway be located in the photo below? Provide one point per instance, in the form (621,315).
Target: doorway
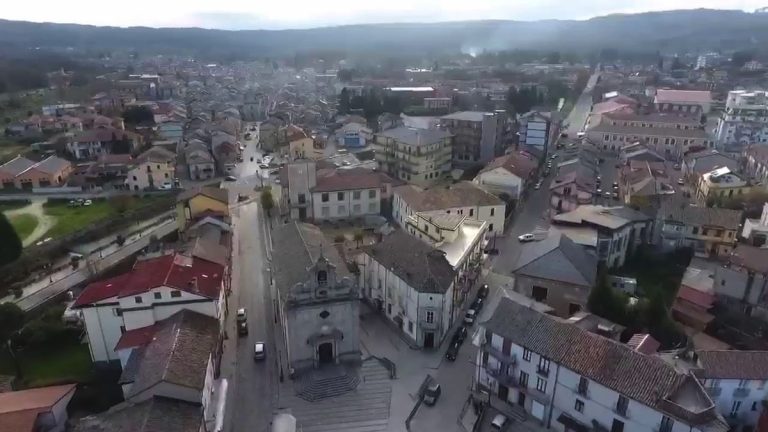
(429,340)
(521,399)
(325,353)
(503,392)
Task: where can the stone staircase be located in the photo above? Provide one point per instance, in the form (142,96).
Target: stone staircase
(326,382)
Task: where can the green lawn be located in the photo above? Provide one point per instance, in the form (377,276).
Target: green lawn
(71,363)
(71,219)
(12,205)
(24,224)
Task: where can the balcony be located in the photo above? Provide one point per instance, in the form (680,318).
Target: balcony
(502,377)
(714,391)
(505,359)
(622,412)
(740,392)
(542,371)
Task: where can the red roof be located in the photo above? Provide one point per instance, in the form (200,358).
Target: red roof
(350,179)
(19,409)
(190,274)
(683,96)
(699,298)
(136,337)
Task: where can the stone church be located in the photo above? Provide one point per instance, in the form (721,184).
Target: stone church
(318,299)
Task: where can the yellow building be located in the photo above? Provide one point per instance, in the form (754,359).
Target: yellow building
(720,183)
(197,203)
(418,156)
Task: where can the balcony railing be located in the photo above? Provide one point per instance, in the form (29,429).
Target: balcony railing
(624,412)
(502,377)
(542,371)
(740,392)
(505,359)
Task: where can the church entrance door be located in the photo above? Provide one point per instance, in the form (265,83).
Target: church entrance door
(325,353)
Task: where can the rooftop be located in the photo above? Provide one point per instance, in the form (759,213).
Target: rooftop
(750,365)
(421,266)
(472,116)
(605,127)
(416,137)
(153,415)
(607,217)
(350,179)
(750,257)
(559,258)
(19,409)
(678,210)
(683,96)
(470,232)
(462,194)
(518,164)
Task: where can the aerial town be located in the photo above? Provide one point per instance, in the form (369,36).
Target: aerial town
(525,242)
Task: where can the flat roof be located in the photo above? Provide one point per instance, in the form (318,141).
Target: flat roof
(469,234)
(412,89)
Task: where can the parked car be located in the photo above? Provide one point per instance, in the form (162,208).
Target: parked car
(166,186)
(483,291)
(680,181)
(477,304)
(87,203)
(453,351)
(580,135)
(432,394)
(537,186)
(264,166)
(460,335)
(469,317)
(242,328)
(230,178)
(564,134)
(554,156)
(525,238)
(241,315)
(499,422)
(259,351)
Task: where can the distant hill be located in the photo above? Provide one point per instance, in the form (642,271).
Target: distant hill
(666,31)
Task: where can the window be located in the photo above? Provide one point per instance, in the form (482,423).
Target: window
(372,193)
(430,317)
(356,209)
(617,426)
(490,227)
(621,405)
(579,406)
(356,195)
(754,406)
(735,408)
(342,209)
(583,386)
(695,230)
(389,308)
(340,196)
(322,278)
(543,365)
(743,383)
(666,424)
(410,326)
(175,293)
(541,385)
(526,354)
(117,312)
(324,197)
(493,211)
(138,299)
(325,211)
(539,294)
(523,379)
(471,212)
(302,198)
(372,207)
(158,295)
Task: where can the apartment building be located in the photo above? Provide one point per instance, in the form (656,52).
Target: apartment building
(756,168)
(412,283)
(418,156)
(741,284)
(538,130)
(463,199)
(670,134)
(154,168)
(709,231)
(720,183)
(478,136)
(696,164)
(744,120)
(508,175)
(569,379)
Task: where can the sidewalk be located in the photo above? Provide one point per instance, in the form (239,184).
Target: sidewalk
(51,285)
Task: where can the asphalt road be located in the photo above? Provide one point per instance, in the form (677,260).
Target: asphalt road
(578,115)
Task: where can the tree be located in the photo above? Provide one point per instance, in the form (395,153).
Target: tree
(359,237)
(605,302)
(344,102)
(11,320)
(140,114)
(10,246)
(267,201)
(740,58)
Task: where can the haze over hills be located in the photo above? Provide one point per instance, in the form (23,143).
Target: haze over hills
(694,30)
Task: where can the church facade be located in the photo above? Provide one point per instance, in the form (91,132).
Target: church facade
(318,299)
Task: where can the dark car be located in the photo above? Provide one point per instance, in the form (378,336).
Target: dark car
(483,291)
(477,304)
(242,328)
(453,351)
(460,335)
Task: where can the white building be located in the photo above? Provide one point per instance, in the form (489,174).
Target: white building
(464,199)
(154,168)
(744,120)
(412,284)
(537,130)
(569,379)
(152,291)
(508,175)
(756,230)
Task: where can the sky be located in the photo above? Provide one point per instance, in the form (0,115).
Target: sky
(269,14)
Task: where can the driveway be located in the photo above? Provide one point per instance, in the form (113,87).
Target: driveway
(44,222)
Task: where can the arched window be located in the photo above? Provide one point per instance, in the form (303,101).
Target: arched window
(322,278)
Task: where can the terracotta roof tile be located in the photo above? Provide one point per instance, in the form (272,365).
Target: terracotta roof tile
(751,365)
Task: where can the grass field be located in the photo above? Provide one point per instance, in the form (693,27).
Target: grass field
(71,219)
(70,363)
(24,224)
(12,205)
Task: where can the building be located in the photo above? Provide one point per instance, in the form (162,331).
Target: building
(508,175)
(152,291)
(720,183)
(671,135)
(418,156)
(709,231)
(300,145)
(575,185)
(612,233)
(569,379)
(193,204)
(695,298)
(696,164)
(412,284)
(22,173)
(199,161)
(438,104)
(741,284)
(756,230)
(735,380)
(156,414)
(556,271)
(645,183)
(37,409)
(152,169)
(687,101)
(537,130)
(744,120)
(354,135)
(463,199)
(478,136)
(90,144)
(317,299)
(756,168)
